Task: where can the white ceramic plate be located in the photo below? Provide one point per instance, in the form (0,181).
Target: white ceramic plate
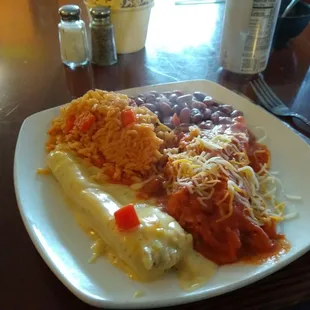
(66,249)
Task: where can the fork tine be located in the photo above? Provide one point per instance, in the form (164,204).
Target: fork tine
(261,88)
(262,98)
(274,99)
(266,91)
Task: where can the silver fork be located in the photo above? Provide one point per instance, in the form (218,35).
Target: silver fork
(268,99)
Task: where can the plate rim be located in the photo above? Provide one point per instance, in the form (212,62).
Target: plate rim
(140,303)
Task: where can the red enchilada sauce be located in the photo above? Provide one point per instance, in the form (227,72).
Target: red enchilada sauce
(228,241)
(224,240)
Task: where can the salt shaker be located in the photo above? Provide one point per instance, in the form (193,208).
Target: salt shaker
(72,36)
(102,37)
(249,27)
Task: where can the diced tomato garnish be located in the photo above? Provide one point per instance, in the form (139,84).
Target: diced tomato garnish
(175,120)
(126,218)
(239,125)
(239,119)
(128,117)
(85,121)
(110,172)
(98,162)
(69,124)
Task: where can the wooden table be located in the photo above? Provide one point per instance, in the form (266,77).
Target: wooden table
(183,44)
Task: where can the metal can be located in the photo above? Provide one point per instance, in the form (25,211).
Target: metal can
(249,26)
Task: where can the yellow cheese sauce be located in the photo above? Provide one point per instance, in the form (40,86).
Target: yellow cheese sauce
(193,271)
(100,249)
(144,254)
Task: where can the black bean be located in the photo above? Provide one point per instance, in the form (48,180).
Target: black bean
(173,98)
(176,109)
(207,114)
(196,116)
(159,100)
(219,113)
(155,93)
(139,101)
(178,93)
(156,104)
(164,108)
(206,125)
(209,102)
(163,98)
(167,121)
(150,98)
(172,104)
(167,94)
(216,116)
(214,109)
(225,120)
(236,113)
(150,106)
(199,96)
(195,111)
(198,105)
(227,106)
(185,115)
(224,110)
(185,99)
(183,105)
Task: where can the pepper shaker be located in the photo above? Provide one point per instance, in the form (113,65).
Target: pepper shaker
(102,37)
(72,36)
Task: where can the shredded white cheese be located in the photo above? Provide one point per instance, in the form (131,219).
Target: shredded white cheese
(204,162)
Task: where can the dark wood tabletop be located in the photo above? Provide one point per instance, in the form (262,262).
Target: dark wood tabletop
(183,44)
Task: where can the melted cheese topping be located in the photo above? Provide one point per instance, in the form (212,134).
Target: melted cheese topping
(204,161)
(157,245)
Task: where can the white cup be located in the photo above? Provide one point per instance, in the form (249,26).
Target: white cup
(130,26)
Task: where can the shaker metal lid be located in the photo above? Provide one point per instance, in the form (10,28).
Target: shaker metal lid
(69,12)
(100,12)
